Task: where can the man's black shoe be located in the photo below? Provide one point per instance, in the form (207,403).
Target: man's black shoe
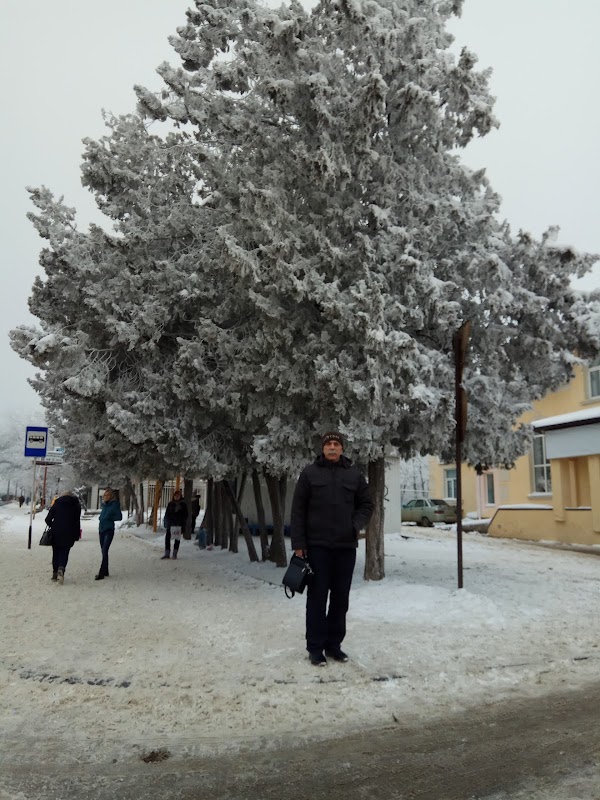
(99,577)
(317,659)
(337,654)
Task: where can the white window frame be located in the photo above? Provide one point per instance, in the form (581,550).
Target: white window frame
(540,470)
(450,483)
(593,377)
(490,484)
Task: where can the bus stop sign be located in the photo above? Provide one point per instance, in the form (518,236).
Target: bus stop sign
(36,442)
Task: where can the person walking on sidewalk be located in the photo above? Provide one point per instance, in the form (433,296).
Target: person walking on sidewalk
(64,520)
(175,519)
(110,513)
(331,505)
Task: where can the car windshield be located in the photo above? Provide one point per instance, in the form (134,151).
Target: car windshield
(439,503)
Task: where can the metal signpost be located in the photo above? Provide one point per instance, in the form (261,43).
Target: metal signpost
(36,443)
(460,344)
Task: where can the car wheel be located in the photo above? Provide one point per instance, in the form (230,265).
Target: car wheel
(426,522)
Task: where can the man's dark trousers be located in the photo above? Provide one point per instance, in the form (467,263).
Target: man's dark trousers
(333,568)
(106,538)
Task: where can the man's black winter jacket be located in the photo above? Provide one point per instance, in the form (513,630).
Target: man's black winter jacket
(331,505)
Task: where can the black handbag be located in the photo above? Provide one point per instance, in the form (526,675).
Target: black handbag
(46,539)
(297,575)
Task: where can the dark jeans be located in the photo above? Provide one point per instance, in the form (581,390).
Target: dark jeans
(106,538)
(326,627)
(60,556)
(168,542)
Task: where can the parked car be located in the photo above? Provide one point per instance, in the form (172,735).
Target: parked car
(426,511)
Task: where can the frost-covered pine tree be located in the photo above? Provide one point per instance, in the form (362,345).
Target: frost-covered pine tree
(297,248)
(113,305)
(359,237)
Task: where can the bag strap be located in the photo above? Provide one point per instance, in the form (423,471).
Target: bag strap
(285,588)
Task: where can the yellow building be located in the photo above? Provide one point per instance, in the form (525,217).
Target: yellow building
(554,489)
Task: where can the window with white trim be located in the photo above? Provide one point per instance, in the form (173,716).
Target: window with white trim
(490,491)
(594,379)
(542,480)
(450,482)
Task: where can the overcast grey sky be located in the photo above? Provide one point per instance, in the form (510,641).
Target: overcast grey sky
(63,61)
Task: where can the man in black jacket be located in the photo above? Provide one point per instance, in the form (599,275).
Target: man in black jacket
(331,505)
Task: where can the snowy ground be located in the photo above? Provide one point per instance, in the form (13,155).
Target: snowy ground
(206,654)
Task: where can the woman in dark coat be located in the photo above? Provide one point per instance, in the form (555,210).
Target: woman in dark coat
(64,520)
(175,519)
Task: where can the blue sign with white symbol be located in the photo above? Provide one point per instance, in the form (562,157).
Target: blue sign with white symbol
(36,441)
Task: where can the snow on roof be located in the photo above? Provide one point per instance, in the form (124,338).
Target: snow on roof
(584,417)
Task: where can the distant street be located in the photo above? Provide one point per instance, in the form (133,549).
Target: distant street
(528,750)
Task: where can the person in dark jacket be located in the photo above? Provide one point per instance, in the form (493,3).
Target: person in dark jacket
(331,505)
(110,512)
(64,520)
(175,519)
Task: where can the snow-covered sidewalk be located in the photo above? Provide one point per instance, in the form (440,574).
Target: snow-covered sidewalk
(206,653)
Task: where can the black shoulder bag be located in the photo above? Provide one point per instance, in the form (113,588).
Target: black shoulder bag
(297,575)
(46,539)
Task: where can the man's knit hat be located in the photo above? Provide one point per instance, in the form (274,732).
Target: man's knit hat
(332,436)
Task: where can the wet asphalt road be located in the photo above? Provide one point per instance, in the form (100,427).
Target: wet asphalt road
(538,749)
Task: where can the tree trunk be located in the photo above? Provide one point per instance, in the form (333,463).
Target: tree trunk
(374,554)
(217,513)
(209,514)
(140,517)
(236,529)
(125,494)
(227,520)
(133,501)
(241,521)
(157,492)
(188,486)
(277,552)
(283,485)
(260,516)
(242,489)
(234,535)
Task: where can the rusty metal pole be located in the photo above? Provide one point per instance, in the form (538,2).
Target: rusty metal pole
(460,343)
(44,486)
(459,475)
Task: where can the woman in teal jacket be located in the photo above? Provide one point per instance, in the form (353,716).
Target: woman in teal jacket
(109,514)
